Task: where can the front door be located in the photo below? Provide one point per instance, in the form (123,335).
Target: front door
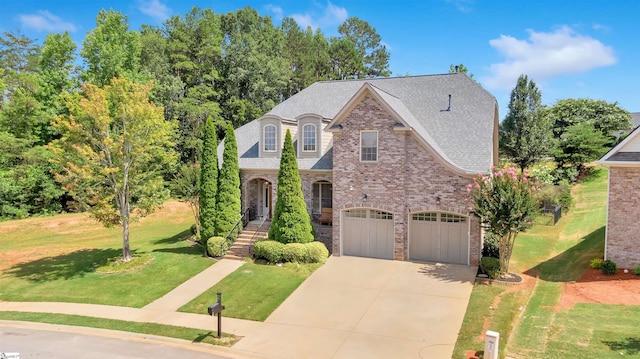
(268,207)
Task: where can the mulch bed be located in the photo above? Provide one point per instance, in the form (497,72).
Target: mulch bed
(596,287)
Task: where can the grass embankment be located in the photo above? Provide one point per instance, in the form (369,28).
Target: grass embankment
(525,315)
(54,259)
(254,291)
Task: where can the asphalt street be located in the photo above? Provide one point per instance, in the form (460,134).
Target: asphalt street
(53,344)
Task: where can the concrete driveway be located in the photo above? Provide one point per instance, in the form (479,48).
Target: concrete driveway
(356,307)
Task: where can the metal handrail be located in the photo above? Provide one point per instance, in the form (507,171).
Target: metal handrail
(238,222)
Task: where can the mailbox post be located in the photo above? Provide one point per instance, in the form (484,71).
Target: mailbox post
(491,344)
(216,309)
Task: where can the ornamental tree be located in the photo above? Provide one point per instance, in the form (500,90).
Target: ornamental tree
(208,182)
(228,203)
(291,221)
(114,148)
(505,202)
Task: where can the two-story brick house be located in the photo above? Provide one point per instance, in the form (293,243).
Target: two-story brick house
(392,157)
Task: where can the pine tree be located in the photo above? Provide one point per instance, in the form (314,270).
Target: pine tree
(291,221)
(228,204)
(208,181)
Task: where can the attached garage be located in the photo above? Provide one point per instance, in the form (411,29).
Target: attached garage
(439,237)
(367,232)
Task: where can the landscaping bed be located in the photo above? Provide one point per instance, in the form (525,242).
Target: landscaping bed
(595,287)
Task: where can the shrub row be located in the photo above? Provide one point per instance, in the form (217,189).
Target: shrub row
(276,252)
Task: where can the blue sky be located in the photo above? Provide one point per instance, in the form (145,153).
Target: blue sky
(571,49)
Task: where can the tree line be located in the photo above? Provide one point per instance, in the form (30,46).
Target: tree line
(229,67)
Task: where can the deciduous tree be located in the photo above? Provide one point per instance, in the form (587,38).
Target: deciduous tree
(505,202)
(525,134)
(113,147)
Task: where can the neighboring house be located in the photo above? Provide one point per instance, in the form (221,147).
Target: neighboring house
(391,157)
(622,240)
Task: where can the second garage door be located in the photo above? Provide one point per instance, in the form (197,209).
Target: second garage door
(439,237)
(367,233)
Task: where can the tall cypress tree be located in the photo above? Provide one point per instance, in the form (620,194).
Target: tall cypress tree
(208,181)
(291,221)
(228,204)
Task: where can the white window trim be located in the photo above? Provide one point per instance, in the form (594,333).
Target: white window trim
(377,146)
(315,137)
(264,138)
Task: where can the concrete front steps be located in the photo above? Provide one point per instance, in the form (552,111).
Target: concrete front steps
(243,245)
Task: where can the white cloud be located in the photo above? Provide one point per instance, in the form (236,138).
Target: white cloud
(277,11)
(546,55)
(331,15)
(45,21)
(462,5)
(154,9)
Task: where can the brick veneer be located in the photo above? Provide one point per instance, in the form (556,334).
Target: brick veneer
(623,227)
(405,179)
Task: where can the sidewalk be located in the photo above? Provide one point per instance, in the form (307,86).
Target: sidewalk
(161,311)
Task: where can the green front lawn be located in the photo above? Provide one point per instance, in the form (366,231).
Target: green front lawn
(54,259)
(194,335)
(253,291)
(556,254)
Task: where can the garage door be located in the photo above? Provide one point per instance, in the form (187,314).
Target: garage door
(439,237)
(367,233)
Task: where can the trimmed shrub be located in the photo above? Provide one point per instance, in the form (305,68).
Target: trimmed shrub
(217,246)
(491,266)
(294,252)
(636,270)
(208,180)
(316,252)
(228,200)
(596,263)
(609,267)
(272,251)
(490,247)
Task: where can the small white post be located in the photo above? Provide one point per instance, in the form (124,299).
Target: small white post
(491,343)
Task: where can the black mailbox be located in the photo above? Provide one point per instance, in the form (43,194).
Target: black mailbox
(215,309)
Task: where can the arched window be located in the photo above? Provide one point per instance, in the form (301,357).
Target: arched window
(269,138)
(309,138)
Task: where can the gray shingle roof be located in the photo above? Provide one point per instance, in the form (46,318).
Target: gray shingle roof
(463,134)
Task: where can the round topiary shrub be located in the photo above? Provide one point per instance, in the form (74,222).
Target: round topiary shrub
(316,252)
(608,267)
(491,266)
(272,251)
(294,252)
(217,246)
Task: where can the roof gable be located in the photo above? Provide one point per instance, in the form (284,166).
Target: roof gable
(626,153)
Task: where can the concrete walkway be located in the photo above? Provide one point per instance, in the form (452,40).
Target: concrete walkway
(350,307)
(195,286)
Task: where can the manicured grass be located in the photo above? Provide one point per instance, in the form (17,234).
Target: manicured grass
(253,291)
(194,335)
(54,259)
(555,254)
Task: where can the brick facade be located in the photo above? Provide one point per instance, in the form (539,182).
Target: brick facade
(623,227)
(407,178)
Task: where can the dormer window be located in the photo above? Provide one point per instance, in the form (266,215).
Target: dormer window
(309,138)
(270,138)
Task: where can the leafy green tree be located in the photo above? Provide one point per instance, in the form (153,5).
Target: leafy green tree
(525,135)
(111,49)
(208,182)
(505,202)
(367,41)
(579,144)
(291,221)
(459,68)
(585,129)
(186,188)
(228,203)
(114,146)
(346,61)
